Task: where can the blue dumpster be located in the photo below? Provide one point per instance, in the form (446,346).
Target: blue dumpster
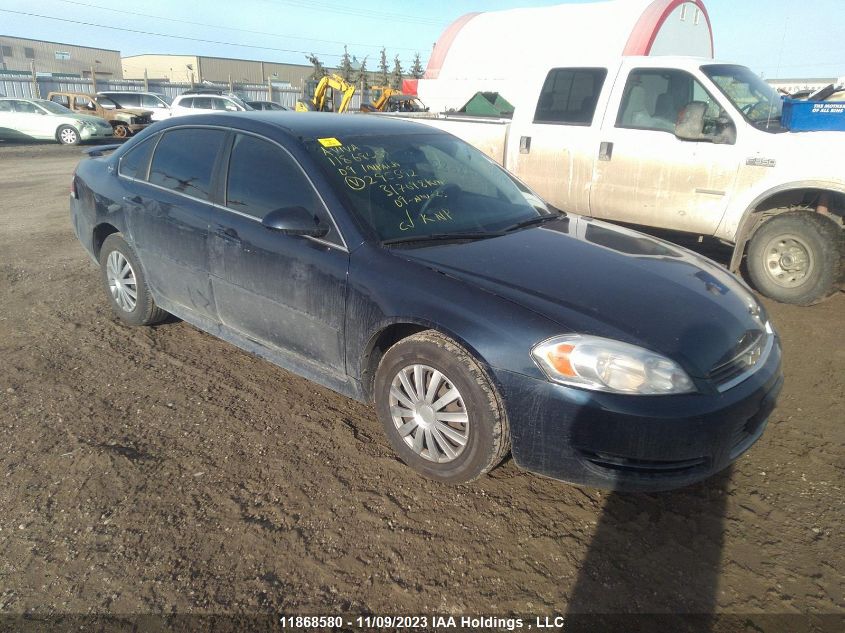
(813,116)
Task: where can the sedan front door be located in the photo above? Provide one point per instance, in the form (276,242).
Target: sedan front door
(286,291)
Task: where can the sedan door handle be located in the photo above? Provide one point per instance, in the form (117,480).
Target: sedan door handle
(133,199)
(605,151)
(230,235)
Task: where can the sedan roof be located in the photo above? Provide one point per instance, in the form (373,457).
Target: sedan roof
(315,124)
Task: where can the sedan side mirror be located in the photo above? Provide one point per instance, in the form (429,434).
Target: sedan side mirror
(295,221)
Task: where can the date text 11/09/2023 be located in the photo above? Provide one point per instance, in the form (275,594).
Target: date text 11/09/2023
(423,622)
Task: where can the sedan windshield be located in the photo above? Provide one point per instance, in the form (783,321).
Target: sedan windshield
(52,107)
(421,187)
(757,100)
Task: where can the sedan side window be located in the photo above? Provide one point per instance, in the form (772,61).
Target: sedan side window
(184,161)
(135,162)
(25,107)
(5,106)
(263,177)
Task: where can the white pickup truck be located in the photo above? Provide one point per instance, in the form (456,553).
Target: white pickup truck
(684,144)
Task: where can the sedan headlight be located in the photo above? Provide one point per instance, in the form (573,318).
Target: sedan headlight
(602,364)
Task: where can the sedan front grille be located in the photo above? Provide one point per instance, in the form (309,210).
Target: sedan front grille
(753,351)
(140,120)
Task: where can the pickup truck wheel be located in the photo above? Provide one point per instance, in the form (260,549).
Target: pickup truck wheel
(796,257)
(125,284)
(67,135)
(121,131)
(439,409)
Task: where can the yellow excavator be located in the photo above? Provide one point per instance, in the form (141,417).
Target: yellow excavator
(322,101)
(392,100)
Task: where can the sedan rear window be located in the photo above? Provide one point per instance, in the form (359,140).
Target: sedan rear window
(184,160)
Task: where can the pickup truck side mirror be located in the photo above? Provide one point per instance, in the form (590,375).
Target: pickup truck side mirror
(295,221)
(691,126)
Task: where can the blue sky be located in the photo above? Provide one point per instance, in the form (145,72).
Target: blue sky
(780,38)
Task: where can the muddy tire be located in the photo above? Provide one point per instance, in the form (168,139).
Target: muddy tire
(125,284)
(439,409)
(67,135)
(122,131)
(796,257)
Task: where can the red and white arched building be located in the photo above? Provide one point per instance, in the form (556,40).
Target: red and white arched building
(499,50)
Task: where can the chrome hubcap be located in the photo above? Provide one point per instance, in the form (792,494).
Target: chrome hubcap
(789,260)
(122,284)
(68,136)
(429,413)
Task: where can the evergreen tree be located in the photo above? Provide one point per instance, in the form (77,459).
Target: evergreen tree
(363,78)
(383,69)
(346,65)
(417,71)
(396,80)
(319,71)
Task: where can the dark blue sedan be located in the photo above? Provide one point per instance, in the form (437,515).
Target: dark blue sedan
(397,265)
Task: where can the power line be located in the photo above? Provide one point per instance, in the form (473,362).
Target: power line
(231,28)
(177,37)
(358,12)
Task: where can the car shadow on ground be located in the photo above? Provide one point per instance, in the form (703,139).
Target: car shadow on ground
(653,562)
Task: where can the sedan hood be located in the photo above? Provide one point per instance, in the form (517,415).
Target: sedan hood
(594,278)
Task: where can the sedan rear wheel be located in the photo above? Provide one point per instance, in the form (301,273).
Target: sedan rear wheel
(123,279)
(67,135)
(439,409)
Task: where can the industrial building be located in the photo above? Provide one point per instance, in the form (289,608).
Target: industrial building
(196,68)
(469,55)
(20,54)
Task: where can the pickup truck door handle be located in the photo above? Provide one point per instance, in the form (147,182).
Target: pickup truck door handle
(524,144)
(230,235)
(605,151)
(133,199)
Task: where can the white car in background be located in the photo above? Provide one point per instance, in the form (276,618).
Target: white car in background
(155,102)
(44,120)
(205,101)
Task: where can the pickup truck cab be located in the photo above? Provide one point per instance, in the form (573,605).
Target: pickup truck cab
(684,144)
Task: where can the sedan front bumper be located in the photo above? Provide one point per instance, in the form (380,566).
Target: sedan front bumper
(635,443)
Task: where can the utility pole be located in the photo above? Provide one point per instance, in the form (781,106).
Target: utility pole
(93,79)
(35,91)
(146,82)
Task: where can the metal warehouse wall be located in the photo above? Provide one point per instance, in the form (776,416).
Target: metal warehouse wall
(55,57)
(16,86)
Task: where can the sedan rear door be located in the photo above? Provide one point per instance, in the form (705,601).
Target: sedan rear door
(168,207)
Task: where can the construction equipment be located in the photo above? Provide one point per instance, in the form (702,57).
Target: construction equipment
(392,100)
(323,101)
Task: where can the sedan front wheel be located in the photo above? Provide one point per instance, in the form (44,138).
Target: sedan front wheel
(439,409)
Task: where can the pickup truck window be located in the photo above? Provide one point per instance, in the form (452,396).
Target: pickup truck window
(569,96)
(757,100)
(654,98)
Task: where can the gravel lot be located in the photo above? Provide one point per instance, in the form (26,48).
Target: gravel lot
(160,470)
